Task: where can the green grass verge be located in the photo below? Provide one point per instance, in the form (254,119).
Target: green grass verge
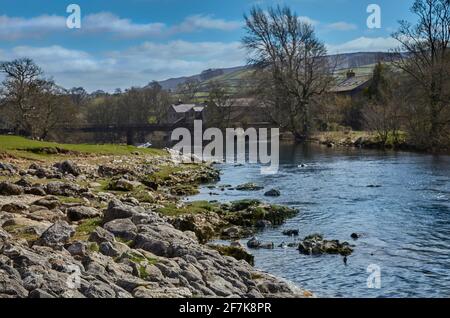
(196,207)
(33,149)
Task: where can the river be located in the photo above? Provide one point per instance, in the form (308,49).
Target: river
(398,201)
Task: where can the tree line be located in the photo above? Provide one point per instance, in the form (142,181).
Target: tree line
(292,75)
(410,94)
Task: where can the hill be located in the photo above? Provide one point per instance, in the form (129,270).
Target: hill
(361,62)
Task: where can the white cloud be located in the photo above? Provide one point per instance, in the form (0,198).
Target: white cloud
(341,26)
(364,44)
(13,28)
(107,22)
(199,22)
(135,66)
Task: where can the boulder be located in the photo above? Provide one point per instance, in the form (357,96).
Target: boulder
(122,228)
(315,244)
(121,185)
(355,236)
(254,243)
(8,188)
(272,193)
(68,167)
(113,249)
(7,167)
(23,183)
(63,189)
(204,225)
(49,202)
(249,187)
(25,228)
(15,207)
(118,210)
(78,213)
(100,235)
(56,235)
(77,249)
(291,232)
(36,190)
(262,224)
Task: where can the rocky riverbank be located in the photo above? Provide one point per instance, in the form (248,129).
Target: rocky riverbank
(115,226)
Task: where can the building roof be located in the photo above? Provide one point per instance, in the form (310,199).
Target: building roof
(198,108)
(183,108)
(350,84)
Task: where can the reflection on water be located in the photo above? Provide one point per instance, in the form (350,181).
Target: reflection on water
(399,201)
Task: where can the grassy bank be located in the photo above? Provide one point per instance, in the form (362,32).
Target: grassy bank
(32,149)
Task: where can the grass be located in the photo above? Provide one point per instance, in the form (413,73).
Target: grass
(33,149)
(85,228)
(21,232)
(196,207)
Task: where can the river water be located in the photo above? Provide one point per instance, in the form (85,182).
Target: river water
(404,220)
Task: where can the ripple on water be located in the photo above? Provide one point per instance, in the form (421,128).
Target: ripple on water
(405,221)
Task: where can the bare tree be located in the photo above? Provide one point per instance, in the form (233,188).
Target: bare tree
(291,64)
(188,90)
(21,84)
(220,104)
(383,111)
(424,55)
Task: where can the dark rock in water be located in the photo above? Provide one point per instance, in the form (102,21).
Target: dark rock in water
(68,167)
(272,193)
(233,232)
(262,224)
(374,186)
(269,246)
(249,187)
(355,236)
(254,243)
(8,188)
(56,235)
(316,245)
(291,232)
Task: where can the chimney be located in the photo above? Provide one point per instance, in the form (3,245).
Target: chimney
(350,74)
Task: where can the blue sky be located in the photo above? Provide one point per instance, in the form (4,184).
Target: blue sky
(129,43)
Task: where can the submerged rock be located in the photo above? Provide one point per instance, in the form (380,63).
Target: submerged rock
(316,245)
(291,232)
(249,187)
(272,193)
